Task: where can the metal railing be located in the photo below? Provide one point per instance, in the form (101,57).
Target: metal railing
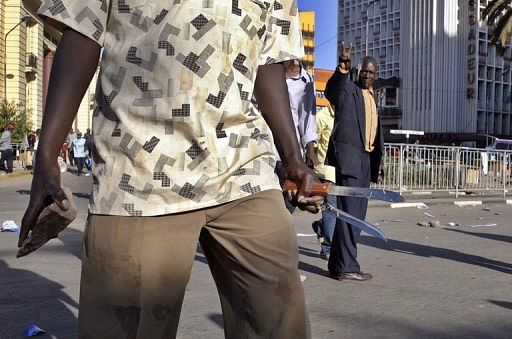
(421,168)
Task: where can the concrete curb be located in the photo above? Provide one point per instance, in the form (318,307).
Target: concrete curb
(408,205)
(414,203)
(468,203)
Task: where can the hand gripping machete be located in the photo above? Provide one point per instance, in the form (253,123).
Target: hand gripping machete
(325,189)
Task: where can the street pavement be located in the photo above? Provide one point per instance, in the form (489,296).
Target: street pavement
(452,282)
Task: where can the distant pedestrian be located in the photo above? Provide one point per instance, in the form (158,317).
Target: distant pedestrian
(24,152)
(88,165)
(301,93)
(88,142)
(79,152)
(70,138)
(326,225)
(64,150)
(7,153)
(36,144)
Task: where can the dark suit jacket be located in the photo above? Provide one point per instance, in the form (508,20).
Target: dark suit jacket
(346,146)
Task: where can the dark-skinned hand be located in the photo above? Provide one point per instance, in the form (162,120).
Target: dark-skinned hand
(45,190)
(300,173)
(345,55)
(311,157)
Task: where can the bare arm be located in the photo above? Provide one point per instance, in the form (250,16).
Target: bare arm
(74,65)
(272,96)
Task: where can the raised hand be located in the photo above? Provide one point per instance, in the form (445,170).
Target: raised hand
(345,54)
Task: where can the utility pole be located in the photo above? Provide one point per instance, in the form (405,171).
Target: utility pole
(23,19)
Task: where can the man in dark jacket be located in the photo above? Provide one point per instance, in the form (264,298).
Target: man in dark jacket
(355,150)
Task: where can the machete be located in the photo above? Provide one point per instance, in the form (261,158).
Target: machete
(325,189)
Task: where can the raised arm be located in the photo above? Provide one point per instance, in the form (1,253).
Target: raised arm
(74,65)
(272,96)
(335,90)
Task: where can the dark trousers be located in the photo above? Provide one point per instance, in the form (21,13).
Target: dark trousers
(79,164)
(343,257)
(71,157)
(7,156)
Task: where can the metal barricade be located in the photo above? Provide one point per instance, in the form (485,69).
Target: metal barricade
(422,168)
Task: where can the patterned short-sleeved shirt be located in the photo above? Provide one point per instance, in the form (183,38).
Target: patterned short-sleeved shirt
(174,127)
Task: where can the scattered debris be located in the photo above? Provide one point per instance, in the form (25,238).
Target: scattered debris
(9,226)
(481,218)
(487,225)
(436,224)
(422,207)
(429,215)
(32,331)
(498,213)
(306,235)
(453,224)
(488,209)
(391,220)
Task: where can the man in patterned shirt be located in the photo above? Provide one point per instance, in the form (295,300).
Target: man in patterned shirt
(180,154)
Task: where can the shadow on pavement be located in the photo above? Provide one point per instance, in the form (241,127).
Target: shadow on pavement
(75,194)
(309,252)
(504,304)
(313,269)
(217,319)
(497,237)
(436,252)
(72,241)
(28,298)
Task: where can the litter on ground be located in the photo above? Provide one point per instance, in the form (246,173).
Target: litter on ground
(32,331)
(486,225)
(9,226)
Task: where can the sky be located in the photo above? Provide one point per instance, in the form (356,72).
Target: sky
(326,30)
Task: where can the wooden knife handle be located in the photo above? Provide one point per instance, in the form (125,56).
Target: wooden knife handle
(317,189)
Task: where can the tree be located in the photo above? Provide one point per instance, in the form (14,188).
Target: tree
(16,114)
(499,13)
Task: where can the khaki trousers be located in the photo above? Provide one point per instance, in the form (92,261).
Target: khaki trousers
(135,271)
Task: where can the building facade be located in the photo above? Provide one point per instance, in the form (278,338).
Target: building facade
(321,78)
(27,48)
(307,20)
(451,79)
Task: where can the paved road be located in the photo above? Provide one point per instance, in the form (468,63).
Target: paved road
(429,282)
